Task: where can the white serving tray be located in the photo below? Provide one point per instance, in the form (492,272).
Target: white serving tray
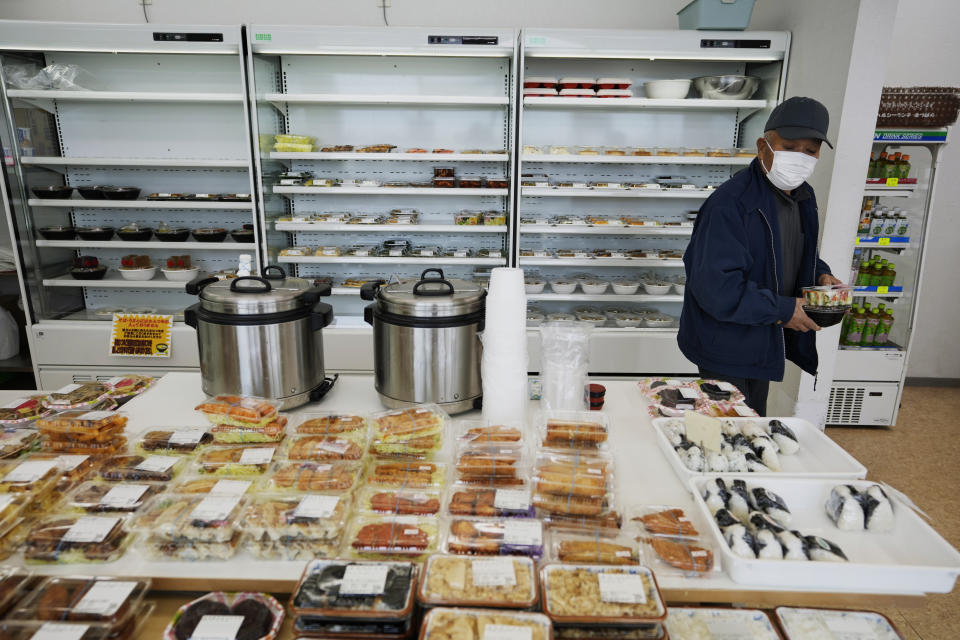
(819,456)
(912,558)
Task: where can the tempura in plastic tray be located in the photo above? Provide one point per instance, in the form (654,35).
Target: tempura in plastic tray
(415,431)
(174,441)
(582,594)
(243,411)
(402,502)
(494,464)
(294,527)
(195,518)
(388,537)
(489,537)
(71,538)
(135,468)
(328,424)
(443,623)
(406,474)
(273,431)
(509,583)
(235,461)
(80,424)
(76,396)
(600,546)
(491,502)
(574,430)
(127,387)
(297,476)
(23,410)
(317,448)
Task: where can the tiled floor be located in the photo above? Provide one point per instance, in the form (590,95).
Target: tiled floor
(921,457)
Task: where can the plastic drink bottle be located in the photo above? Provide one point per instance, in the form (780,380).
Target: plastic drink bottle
(855,327)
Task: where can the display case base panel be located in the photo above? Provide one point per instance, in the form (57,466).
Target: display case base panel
(862,403)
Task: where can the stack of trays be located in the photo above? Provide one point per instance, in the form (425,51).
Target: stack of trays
(80,431)
(243,419)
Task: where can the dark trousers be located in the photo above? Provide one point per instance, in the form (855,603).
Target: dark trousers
(755,391)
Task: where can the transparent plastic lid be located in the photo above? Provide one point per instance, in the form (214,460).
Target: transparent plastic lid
(236,433)
(83,599)
(506,537)
(407,474)
(580,593)
(295,526)
(326,424)
(80,421)
(600,546)
(402,502)
(23,630)
(210,518)
(133,468)
(71,538)
(388,536)
(490,501)
(236,460)
(588,430)
(441,623)
(297,476)
(474,582)
(325,448)
(355,589)
(227,409)
(97,496)
(494,464)
(174,441)
(214,485)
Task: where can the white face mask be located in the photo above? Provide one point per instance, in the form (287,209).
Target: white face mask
(790,168)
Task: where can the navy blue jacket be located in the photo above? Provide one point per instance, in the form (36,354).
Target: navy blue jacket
(731,305)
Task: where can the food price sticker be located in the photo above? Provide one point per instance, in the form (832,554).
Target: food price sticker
(186,436)
(30,471)
(124,495)
(215,508)
(494,572)
(157,464)
(507,632)
(69,462)
(627,588)
(105,597)
(523,532)
(316,506)
(512,499)
(60,631)
(217,628)
(230,488)
(90,529)
(364,580)
(141,335)
(257,455)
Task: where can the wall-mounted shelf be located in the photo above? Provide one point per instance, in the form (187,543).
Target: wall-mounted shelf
(745,107)
(604,297)
(627,159)
(281,99)
(71,203)
(57,163)
(421,157)
(600,229)
(226,245)
(113,281)
(389,228)
(387,191)
(388,260)
(551,192)
(600,262)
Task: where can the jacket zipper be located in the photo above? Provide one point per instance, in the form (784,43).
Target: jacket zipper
(776,281)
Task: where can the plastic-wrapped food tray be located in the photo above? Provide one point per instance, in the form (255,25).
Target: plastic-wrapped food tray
(912,557)
(233,433)
(294,527)
(73,467)
(573,485)
(598,594)
(817,624)
(14,442)
(174,441)
(817,455)
(483,537)
(209,518)
(262,614)
(238,410)
(509,583)
(391,537)
(76,396)
(490,502)
(714,622)
(187,549)
(83,599)
(24,630)
(213,485)
(352,589)
(123,388)
(235,461)
(116,444)
(79,423)
(295,476)
(597,547)
(686,557)
(37,477)
(481,433)
(70,539)
(401,502)
(135,468)
(12,507)
(97,496)
(414,431)
(442,623)
(587,430)
(610,521)
(23,410)
(666,520)
(13,583)
(407,474)
(496,464)
(319,448)
(330,423)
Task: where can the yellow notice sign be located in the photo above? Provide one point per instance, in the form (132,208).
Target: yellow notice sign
(143,335)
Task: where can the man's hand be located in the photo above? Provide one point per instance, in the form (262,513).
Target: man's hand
(826,279)
(800,320)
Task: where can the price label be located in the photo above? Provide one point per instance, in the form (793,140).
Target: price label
(90,529)
(726,386)
(96,415)
(523,532)
(105,597)
(257,455)
(883,241)
(157,464)
(69,462)
(883,289)
(744,411)
(230,488)
(141,335)
(60,631)
(316,506)
(30,471)
(673,383)
(495,572)
(511,499)
(892,182)
(703,430)
(217,628)
(625,588)
(857,241)
(186,436)
(364,579)
(124,495)
(849,627)
(215,508)
(689,394)
(507,632)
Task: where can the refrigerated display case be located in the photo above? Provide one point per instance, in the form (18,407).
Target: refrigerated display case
(610,178)
(383,152)
(869,376)
(157,108)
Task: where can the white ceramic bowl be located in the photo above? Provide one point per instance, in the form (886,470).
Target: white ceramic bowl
(594,287)
(679,288)
(656,289)
(534,286)
(659,321)
(667,89)
(534,319)
(146,273)
(596,319)
(563,287)
(626,322)
(180,275)
(625,287)
(558,317)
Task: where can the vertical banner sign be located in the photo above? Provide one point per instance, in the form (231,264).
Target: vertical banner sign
(143,335)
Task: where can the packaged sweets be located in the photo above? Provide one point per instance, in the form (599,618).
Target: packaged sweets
(403,502)
(235,461)
(510,536)
(82,599)
(174,441)
(141,468)
(413,474)
(238,410)
(291,475)
(442,623)
(391,536)
(488,502)
(294,527)
(317,448)
(104,497)
(69,538)
(509,583)
(23,410)
(586,594)
(261,616)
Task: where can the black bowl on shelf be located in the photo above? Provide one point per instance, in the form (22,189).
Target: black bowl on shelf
(242,235)
(95,233)
(138,234)
(93,192)
(121,193)
(59,232)
(210,235)
(51,192)
(172,234)
(826,316)
(89,273)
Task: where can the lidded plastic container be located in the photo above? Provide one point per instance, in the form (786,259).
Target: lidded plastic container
(294,527)
(596,594)
(508,583)
(294,476)
(83,599)
(482,624)
(71,538)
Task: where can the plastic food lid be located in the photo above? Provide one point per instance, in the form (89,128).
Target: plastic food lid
(578,92)
(83,599)
(626,81)
(507,582)
(604,594)
(403,502)
(485,624)
(344,589)
(748,623)
(614,93)
(392,535)
(299,476)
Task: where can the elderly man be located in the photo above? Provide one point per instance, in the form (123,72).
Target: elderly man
(753,248)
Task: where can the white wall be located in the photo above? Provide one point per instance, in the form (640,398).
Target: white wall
(926,36)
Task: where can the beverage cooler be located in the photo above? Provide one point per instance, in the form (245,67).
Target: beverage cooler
(617,152)
(129,170)
(887,269)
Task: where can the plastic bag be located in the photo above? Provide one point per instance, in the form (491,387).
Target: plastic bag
(69,77)
(9,335)
(564,358)
(25,76)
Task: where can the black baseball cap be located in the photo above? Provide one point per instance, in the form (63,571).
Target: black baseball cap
(800,117)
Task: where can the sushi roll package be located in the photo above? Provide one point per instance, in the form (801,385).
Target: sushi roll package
(853,509)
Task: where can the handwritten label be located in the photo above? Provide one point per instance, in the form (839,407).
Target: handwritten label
(316,506)
(124,495)
(60,631)
(507,632)
(511,499)
(215,508)
(90,529)
(364,579)
(157,464)
(257,455)
(703,430)
(523,532)
(625,588)
(217,628)
(105,597)
(230,488)
(495,572)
